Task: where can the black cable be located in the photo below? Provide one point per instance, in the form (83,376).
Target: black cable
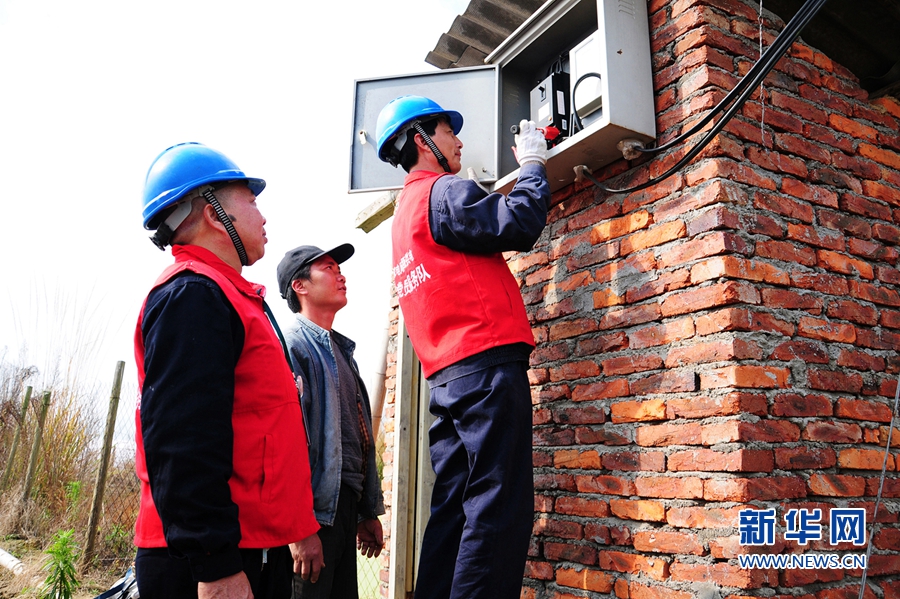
(748,89)
(765,63)
(574,118)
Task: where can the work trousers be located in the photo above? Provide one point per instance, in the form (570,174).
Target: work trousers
(482,506)
(337,580)
(161,576)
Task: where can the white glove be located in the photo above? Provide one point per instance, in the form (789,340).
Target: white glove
(530,144)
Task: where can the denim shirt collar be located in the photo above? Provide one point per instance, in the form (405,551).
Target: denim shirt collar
(324,336)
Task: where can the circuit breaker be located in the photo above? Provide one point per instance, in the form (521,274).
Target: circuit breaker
(550,103)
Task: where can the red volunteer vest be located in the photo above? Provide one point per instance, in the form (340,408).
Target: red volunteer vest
(270,482)
(455,304)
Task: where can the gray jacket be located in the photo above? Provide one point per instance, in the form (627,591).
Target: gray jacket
(312,358)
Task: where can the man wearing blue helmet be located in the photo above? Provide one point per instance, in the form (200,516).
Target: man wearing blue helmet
(468,325)
(226,504)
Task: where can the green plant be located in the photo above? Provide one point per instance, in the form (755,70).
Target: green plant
(73,493)
(61,580)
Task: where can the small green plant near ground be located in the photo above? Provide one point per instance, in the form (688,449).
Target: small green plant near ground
(61,581)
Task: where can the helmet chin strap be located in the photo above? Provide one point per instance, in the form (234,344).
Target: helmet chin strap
(223,217)
(437,153)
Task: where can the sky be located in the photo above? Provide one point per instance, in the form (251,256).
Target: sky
(92,91)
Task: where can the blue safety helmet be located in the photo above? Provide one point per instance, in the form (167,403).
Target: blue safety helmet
(180,169)
(403,110)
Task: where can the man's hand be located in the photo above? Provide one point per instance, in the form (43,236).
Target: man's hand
(370,537)
(308,560)
(235,586)
(530,144)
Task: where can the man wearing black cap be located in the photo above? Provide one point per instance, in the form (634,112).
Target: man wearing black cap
(346,492)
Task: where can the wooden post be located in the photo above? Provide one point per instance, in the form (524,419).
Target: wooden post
(100,486)
(36,447)
(15,444)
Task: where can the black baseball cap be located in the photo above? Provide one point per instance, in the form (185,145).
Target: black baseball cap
(299,257)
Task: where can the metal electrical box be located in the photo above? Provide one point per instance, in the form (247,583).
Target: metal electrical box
(601,46)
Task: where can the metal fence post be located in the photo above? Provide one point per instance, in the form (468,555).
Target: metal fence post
(100,486)
(36,447)
(18,435)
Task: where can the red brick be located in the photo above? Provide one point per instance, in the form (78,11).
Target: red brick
(745,376)
(653,237)
(572,328)
(630,461)
(574,458)
(823,283)
(638,411)
(662,334)
(881,155)
(795,144)
(665,281)
(810,193)
(619,227)
(804,458)
(738,268)
(836,485)
(853,128)
(851,225)
(663,541)
(599,436)
(582,506)
(632,563)
(716,192)
(729,170)
(794,405)
(538,571)
(566,552)
(741,319)
(549,482)
(604,485)
(640,591)
(831,380)
(824,330)
(787,252)
(821,238)
(586,579)
(552,527)
(668,434)
(874,293)
(843,264)
(880,191)
(703,517)
(722,574)
(601,390)
(712,244)
(631,364)
(641,510)
(749,489)
(727,405)
(630,316)
(852,311)
(859,360)
(552,436)
(629,266)
(667,487)
(708,460)
(832,432)
(665,382)
(572,371)
(578,414)
(784,206)
(864,459)
(806,351)
(701,298)
(600,344)
(777,162)
(860,409)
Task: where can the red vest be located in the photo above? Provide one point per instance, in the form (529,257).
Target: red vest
(270,482)
(455,304)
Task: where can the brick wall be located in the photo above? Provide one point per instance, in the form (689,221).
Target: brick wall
(722,340)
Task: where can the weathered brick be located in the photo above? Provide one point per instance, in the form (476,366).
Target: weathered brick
(708,460)
(572,371)
(864,459)
(859,360)
(806,351)
(604,485)
(852,311)
(653,237)
(701,298)
(836,485)
(671,381)
(586,579)
(663,541)
(749,489)
(814,194)
(630,316)
(820,238)
(554,527)
(630,364)
(619,227)
(582,506)
(815,328)
(745,376)
(832,432)
(703,517)
(636,590)
(860,409)
(638,411)
(601,390)
(786,252)
(574,458)
(832,380)
(599,344)
(568,552)
(804,458)
(845,265)
(632,563)
(667,487)
(630,461)
(798,406)
(712,244)
(727,405)
(722,574)
(641,509)
(738,268)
